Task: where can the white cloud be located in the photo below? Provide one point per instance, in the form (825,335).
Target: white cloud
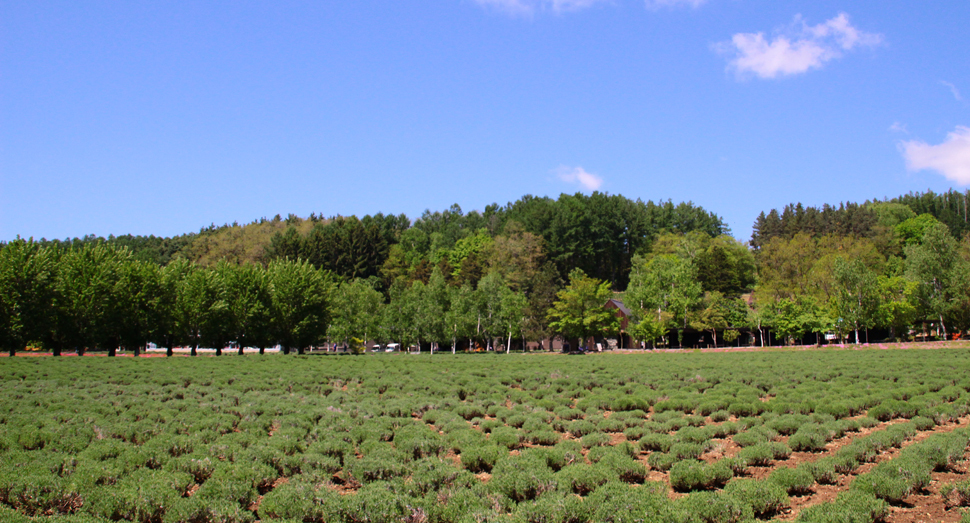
(897,127)
(528,7)
(578,175)
(657,4)
(800,48)
(950,158)
(954,90)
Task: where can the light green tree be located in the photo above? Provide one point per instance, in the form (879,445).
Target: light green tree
(461,317)
(356,312)
(490,298)
(579,310)
(933,264)
(513,307)
(664,286)
(397,320)
(793,318)
(87,297)
(202,309)
(248,305)
(857,295)
(301,303)
(649,326)
(896,308)
(712,316)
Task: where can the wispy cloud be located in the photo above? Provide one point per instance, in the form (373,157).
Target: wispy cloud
(897,127)
(796,49)
(578,175)
(950,158)
(953,89)
(529,7)
(658,4)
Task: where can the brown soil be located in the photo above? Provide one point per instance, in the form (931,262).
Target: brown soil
(344,483)
(455,458)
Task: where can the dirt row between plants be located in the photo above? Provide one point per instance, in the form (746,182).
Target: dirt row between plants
(926,506)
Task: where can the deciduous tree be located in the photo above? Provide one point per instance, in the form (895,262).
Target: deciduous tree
(301,303)
(579,310)
(27,282)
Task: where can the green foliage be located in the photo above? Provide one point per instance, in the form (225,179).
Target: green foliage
(693,475)
(715,507)
(582,479)
(765,498)
(579,310)
(522,477)
(482,458)
(617,502)
(809,438)
(850,506)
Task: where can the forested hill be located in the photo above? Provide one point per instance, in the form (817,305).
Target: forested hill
(598,233)
(870,219)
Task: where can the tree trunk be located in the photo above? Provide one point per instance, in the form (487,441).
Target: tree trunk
(218,351)
(301,350)
(12,352)
(240,352)
(286,350)
(112,351)
(136,352)
(262,350)
(453,342)
(508,346)
(195,349)
(943,327)
(857,335)
(57,350)
(168,351)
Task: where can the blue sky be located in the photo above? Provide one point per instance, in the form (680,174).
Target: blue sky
(163,117)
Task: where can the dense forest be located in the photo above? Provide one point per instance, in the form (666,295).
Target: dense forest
(526,271)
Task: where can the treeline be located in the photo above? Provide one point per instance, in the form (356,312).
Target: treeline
(598,233)
(100,296)
(448,276)
(893,266)
(915,276)
(526,271)
(870,219)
